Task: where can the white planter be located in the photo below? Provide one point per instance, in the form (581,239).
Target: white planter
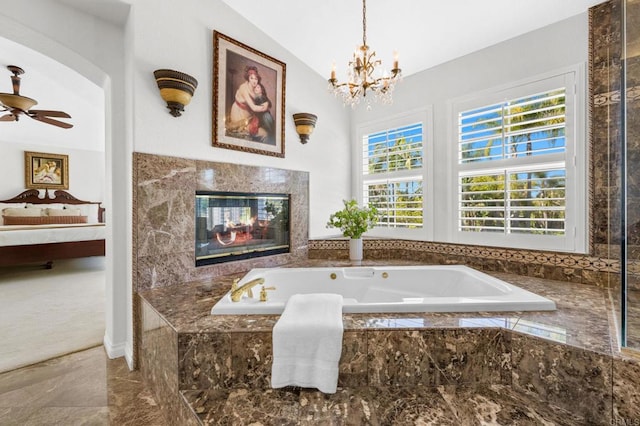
(355,249)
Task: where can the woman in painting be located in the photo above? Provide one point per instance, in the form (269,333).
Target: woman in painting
(243,116)
(265,119)
(49,172)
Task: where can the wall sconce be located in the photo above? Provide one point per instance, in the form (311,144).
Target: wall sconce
(176,88)
(305,123)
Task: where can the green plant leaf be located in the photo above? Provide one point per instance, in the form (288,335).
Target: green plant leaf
(353,220)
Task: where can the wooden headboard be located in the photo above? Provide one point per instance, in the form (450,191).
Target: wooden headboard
(59,196)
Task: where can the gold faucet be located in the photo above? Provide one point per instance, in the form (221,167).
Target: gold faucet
(237,292)
(263,293)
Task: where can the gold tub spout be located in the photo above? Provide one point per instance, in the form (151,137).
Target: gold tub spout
(237,292)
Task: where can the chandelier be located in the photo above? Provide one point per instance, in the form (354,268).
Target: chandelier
(365,73)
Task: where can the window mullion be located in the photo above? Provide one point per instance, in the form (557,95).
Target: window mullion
(507,203)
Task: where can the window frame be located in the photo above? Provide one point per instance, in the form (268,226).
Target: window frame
(575,159)
(422,115)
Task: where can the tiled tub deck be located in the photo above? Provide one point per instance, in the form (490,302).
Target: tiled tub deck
(463,368)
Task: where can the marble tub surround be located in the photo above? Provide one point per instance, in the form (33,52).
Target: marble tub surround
(581,319)
(217,356)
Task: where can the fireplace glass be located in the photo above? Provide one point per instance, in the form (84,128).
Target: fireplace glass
(236,225)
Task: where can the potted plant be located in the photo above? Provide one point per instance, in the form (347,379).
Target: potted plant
(354,221)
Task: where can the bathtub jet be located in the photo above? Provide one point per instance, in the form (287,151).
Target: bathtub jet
(385,289)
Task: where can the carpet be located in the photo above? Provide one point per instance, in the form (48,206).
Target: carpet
(48,313)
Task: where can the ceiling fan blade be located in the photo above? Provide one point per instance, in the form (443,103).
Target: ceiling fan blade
(48,113)
(51,121)
(8,117)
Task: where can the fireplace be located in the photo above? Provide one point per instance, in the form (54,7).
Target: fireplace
(237,225)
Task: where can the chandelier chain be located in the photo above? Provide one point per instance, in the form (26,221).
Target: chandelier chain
(364,22)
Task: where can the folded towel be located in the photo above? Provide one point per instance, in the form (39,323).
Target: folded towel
(307,342)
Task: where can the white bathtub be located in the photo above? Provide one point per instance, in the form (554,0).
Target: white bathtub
(387,289)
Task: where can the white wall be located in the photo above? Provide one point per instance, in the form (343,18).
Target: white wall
(86,170)
(548,49)
(189,48)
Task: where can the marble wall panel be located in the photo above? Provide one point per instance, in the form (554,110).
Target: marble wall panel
(626,397)
(159,361)
(437,357)
(605,50)
(165,221)
(204,360)
(163,270)
(353,360)
(251,360)
(574,379)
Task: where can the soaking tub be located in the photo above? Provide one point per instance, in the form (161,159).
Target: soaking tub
(385,289)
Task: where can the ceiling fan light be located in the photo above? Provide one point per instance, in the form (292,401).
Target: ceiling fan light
(17,101)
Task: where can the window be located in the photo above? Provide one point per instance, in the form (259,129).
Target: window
(515,169)
(392,171)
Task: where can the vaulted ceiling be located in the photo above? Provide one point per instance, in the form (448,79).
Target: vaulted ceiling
(424,32)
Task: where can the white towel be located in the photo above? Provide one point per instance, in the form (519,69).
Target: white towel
(307,342)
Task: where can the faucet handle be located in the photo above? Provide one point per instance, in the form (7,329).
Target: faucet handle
(263,293)
(234,284)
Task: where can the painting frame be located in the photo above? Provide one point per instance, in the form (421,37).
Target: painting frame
(246,125)
(46,171)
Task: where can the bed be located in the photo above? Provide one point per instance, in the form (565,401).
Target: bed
(38,229)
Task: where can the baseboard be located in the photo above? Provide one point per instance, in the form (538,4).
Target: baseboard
(113,351)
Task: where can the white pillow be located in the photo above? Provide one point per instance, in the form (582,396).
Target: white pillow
(47,205)
(63,212)
(89,210)
(7,206)
(25,211)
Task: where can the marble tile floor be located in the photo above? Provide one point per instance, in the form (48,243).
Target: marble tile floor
(83,388)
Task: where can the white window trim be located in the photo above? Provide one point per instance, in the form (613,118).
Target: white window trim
(425,116)
(575,239)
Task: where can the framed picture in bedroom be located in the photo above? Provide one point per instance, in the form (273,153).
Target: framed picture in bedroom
(248,98)
(46,171)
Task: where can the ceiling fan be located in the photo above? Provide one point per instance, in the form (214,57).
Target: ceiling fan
(17,105)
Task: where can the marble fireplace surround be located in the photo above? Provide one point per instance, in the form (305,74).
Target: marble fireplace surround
(164,215)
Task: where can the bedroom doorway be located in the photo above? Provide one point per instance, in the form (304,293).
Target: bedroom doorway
(51,312)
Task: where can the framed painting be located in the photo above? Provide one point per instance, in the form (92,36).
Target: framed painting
(248,98)
(46,171)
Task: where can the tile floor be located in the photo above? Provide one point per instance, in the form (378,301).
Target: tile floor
(84,388)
